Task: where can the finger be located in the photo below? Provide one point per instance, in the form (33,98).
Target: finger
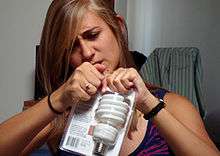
(93,79)
(110,79)
(134,79)
(118,84)
(127,84)
(78,94)
(88,67)
(86,86)
(90,89)
(91,74)
(100,67)
(83,96)
(127,79)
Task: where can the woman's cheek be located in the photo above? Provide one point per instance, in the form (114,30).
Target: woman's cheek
(75,60)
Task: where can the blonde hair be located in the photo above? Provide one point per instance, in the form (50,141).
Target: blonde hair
(59,34)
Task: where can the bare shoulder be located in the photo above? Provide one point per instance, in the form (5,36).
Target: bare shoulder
(184,111)
(179,104)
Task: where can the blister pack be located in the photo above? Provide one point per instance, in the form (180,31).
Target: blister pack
(98,127)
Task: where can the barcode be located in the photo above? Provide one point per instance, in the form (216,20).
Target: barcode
(72,141)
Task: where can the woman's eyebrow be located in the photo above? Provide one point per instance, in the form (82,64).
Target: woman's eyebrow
(88,31)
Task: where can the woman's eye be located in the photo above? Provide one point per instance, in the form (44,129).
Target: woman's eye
(91,36)
(76,44)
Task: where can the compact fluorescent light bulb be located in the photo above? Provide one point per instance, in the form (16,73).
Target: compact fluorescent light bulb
(111,116)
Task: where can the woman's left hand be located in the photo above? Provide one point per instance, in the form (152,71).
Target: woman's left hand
(123,79)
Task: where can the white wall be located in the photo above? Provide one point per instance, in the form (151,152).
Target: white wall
(170,23)
(20,28)
(139,16)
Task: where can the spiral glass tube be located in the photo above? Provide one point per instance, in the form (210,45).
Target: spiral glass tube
(111,116)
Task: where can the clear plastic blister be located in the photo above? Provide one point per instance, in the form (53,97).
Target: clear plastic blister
(98,127)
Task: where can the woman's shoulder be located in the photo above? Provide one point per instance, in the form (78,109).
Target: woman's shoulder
(176,101)
(183,110)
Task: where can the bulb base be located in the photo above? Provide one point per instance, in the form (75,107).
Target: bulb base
(100,149)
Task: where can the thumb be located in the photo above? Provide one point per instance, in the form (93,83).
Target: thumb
(100,67)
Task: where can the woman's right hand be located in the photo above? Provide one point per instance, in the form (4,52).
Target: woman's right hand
(81,85)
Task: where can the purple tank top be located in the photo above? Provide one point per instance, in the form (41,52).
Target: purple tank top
(153,143)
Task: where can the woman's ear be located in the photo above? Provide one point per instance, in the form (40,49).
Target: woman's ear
(121,22)
(123,26)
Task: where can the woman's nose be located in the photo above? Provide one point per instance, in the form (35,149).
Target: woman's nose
(86,50)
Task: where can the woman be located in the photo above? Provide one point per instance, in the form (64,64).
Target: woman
(83,50)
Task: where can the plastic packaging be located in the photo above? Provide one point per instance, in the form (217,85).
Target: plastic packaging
(98,127)
(111,116)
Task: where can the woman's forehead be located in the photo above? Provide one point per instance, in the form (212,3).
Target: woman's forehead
(91,20)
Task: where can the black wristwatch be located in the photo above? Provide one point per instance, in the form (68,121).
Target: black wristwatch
(155,110)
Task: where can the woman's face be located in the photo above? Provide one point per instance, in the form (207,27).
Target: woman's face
(95,43)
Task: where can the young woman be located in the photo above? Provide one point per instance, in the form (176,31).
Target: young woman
(83,50)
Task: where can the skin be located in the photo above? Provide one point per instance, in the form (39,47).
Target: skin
(96,64)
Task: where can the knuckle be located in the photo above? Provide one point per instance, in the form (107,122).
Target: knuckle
(123,90)
(93,91)
(74,87)
(77,71)
(124,80)
(85,65)
(116,81)
(74,79)
(132,69)
(98,83)
(85,98)
(121,69)
(109,80)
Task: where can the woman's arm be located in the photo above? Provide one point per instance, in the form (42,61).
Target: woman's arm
(17,132)
(40,139)
(179,122)
(183,129)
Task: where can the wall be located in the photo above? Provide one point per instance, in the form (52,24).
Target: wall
(169,23)
(139,16)
(20,29)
